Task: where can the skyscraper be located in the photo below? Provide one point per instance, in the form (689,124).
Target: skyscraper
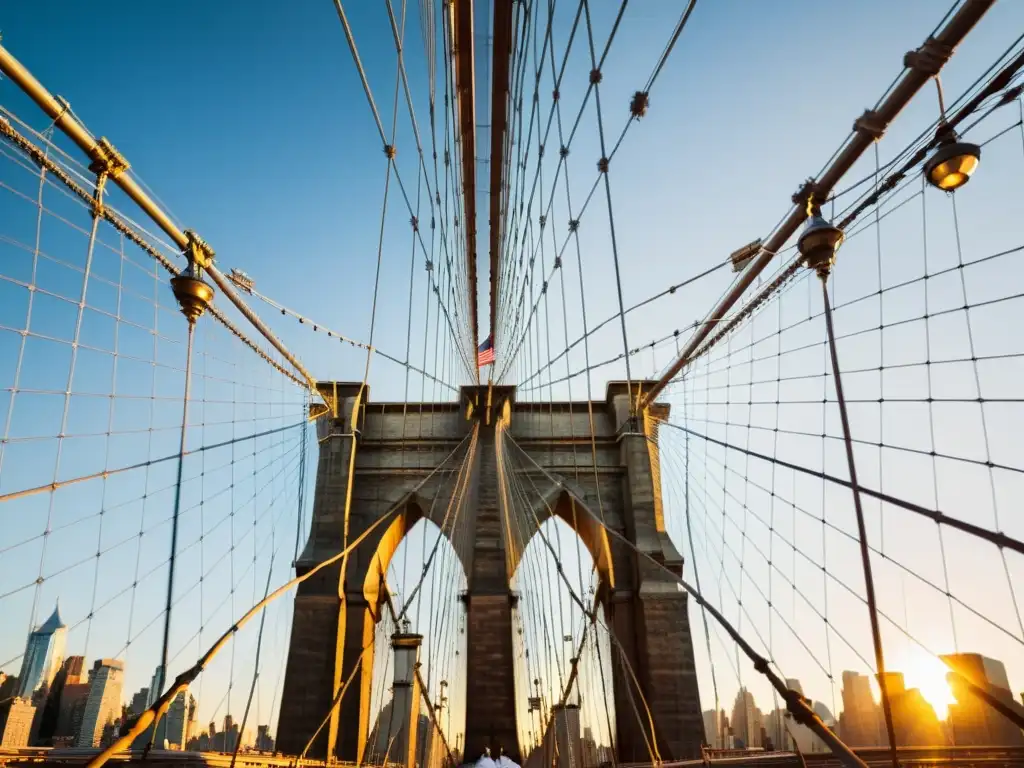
(265,742)
(383,736)
(72,711)
(973,722)
(44,653)
(104,702)
(216,739)
(859,722)
(48,710)
(747,721)
(190,726)
(139,702)
(231,734)
(174,726)
(714,728)
(16,718)
(156,685)
(73,670)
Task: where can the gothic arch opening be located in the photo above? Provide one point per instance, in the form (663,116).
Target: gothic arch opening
(561,655)
(580,519)
(417,566)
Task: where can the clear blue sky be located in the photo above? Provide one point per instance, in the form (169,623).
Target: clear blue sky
(249,121)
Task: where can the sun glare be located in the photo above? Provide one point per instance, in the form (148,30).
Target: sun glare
(927,673)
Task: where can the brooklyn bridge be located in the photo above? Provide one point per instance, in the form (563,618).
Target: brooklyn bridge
(513,383)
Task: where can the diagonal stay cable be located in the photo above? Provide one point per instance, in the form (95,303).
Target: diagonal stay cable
(796,704)
(389,149)
(652,743)
(456,502)
(183,680)
(996,537)
(852,537)
(123,226)
(649,300)
(109,472)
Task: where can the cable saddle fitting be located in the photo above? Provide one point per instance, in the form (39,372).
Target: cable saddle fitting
(804,193)
(107,160)
(871,124)
(198,250)
(930,58)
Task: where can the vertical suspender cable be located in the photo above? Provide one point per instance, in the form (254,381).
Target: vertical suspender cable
(162,671)
(302,485)
(869,583)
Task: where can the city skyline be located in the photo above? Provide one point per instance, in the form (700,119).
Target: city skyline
(858,721)
(51,703)
(969,720)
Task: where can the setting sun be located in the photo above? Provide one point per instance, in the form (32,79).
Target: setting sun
(927,673)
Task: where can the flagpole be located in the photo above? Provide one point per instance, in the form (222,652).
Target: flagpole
(486,350)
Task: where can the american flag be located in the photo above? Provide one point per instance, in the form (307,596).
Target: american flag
(485,353)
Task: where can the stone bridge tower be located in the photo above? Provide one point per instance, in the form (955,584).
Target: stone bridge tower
(611,476)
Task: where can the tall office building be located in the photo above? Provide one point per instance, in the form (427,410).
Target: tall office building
(156,685)
(860,723)
(72,711)
(216,739)
(140,702)
(799,737)
(775,729)
(48,708)
(265,742)
(174,726)
(16,718)
(971,721)
(747,721)
(104,702)
(386,733)
(44,653)
(73,670)
(776,721)
(914,721)
(229,737)
(715,725)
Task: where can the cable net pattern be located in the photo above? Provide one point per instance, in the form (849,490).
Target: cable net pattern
(93,354)
(752,456)
(760,486)
(95,346)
